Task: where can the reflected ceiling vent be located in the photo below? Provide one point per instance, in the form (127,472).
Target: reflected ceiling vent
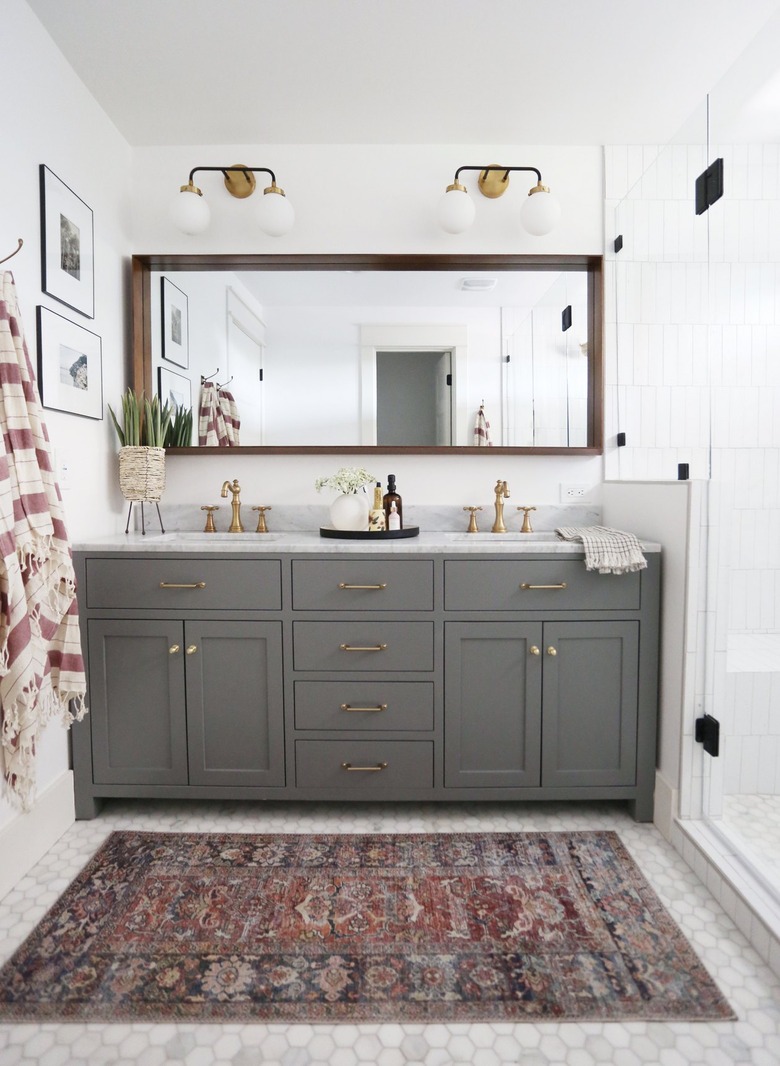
(478,284)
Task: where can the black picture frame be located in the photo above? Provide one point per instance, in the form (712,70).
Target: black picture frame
(70,366)
(173,387)
(67,245)
(174,316)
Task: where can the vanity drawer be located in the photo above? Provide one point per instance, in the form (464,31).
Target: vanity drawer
(363,645)
(176,584)
(555,585)
(375,765)
(383,705)
(362,585)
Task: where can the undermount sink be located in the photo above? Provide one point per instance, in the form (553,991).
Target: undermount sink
(206,538)
(546,535)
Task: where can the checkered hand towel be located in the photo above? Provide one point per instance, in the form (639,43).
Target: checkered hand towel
(41,666)
(610,551)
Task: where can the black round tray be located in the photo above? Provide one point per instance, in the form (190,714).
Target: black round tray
(365,534)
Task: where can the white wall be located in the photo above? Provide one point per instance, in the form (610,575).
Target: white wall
(379,198)
(49,117)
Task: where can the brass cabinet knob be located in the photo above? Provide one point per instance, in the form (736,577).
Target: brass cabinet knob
(174,648)
(552,651)
(191,649)
(533,650)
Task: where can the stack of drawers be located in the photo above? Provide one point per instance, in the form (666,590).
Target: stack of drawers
(363,678)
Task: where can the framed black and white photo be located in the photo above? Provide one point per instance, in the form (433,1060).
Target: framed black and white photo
(67,245)
(174,389)
(70,366)
(175,325)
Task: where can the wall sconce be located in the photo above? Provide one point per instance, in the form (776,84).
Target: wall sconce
(274,213)
(538,215)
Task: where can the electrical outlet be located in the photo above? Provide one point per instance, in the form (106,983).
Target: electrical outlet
(573,492)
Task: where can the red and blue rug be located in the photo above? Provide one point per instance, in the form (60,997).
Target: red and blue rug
(359,928)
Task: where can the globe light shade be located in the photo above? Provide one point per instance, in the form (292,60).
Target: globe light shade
(189,211)
(540,211)
(274,212)
(456,209)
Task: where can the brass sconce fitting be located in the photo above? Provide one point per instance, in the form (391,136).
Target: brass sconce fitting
(538,214)
(274,214)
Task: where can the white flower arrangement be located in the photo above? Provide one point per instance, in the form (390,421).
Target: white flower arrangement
(346,480)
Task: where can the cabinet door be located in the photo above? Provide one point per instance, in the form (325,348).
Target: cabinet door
(492,697)
(590,703)
(136,700)
(235,708)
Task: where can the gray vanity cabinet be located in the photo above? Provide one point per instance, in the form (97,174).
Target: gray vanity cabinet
(358,675)
(494,694)
(235,723)
(590,703)
(532,704)
(137,706)
(185,681)
(177,703)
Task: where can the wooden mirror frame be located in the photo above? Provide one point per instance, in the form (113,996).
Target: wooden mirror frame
(143,265)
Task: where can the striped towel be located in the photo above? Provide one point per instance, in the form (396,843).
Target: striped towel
(227,406)
(41,665)
(482,430)
(212,432)
(610,551)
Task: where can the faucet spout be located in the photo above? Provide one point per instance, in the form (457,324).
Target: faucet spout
(502,493)
(235,489)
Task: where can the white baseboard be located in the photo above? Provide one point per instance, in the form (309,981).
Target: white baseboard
(27,838)
(665,802)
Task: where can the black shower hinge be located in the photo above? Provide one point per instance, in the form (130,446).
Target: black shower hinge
(618,242)
(708,734)
(709,186)
(566,318)
(449,379)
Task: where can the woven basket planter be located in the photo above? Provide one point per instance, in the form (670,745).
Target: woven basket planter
(142,473)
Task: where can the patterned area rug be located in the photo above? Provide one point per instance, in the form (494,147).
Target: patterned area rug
(359,928)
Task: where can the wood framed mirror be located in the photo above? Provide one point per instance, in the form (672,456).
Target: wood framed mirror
(329,337)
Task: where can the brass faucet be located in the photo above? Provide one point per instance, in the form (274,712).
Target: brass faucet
(235,488)
(502,493)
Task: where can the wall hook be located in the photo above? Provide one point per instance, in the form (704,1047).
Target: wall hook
(13,253)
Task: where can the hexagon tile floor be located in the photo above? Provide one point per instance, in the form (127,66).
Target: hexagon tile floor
(750,986)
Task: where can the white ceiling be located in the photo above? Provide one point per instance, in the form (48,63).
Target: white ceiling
(171,72)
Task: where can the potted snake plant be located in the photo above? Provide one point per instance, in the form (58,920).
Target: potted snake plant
(142,432)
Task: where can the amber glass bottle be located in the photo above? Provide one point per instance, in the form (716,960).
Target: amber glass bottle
(388,498)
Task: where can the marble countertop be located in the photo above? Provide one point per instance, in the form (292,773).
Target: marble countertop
(299,541)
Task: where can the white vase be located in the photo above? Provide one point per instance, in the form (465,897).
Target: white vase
(350,511)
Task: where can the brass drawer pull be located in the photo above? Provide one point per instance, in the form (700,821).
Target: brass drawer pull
(344,585)
(525,585)
(364,769)
(355,647)
(192,585)
(379,707)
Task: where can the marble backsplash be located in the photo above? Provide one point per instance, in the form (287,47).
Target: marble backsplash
(309,518)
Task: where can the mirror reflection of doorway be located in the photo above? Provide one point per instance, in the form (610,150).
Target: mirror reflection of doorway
(414,398)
